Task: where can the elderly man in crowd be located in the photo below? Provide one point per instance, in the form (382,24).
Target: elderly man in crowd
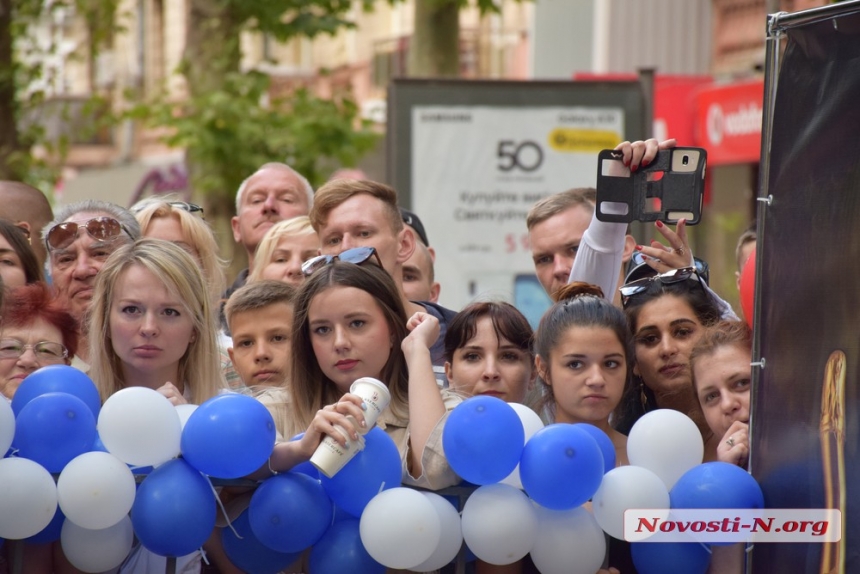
(79,241)
(273,193)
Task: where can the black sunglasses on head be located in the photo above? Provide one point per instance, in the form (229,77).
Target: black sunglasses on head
(183,205)
(669,277)
(639,269)
(356,256)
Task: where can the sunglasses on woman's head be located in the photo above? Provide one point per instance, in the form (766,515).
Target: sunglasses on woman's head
(189,207)
(102,228)
(637,261)
(674,276)
(356,256)
(183,205)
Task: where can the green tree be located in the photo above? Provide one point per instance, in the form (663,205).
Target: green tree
(229,126)
(434,49)
(24,105)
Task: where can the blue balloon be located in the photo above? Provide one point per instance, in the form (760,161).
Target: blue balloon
(561,467)
(228,436)
(376,468)
(340,514)
(716,485)
(483,440)
(305,467)
(57,379)
(340,550)
(174,510)
(289,512)
(604,442)
(51,532)
(662,557)
(249,554)
(54,428)
(98,445)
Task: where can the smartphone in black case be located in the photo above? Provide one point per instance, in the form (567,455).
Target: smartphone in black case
(671,188)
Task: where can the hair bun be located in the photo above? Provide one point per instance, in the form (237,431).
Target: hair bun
(577,289)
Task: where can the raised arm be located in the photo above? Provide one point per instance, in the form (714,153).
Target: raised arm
(426,407)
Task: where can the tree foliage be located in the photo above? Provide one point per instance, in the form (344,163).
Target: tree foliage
(229,125)
(229,133)
(28,151)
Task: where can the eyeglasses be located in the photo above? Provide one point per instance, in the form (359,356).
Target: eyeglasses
(45,351)
(674,276)
(637,261)
(356,255)
(102,228)
(183,205)
(189,207)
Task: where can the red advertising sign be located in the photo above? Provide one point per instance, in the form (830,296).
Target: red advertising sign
(728,122)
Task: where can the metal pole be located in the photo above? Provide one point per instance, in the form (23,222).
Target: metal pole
(771,76)
(812,15)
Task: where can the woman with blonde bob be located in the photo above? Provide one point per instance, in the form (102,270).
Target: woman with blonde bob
(152,324)
(183,224)
(283,249)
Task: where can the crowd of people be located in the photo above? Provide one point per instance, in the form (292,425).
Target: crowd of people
(340,285)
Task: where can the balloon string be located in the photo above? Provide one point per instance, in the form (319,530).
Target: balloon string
(706,547)
(203,555)
(221,506)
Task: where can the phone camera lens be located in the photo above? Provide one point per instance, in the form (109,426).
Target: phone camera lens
(685,160)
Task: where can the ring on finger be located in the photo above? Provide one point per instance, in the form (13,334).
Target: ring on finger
(731,441)
(679,250)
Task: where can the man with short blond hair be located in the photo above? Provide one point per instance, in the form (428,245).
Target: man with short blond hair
(556,225)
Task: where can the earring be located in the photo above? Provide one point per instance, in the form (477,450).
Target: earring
(643,398)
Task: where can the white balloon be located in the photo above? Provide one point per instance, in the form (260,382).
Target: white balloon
(7,426)
(28,498)
(499,524)
(400,528)
(184,411)
(531,424)
(624,488)
(96,490)
(451,538)
(140,427)
(530,419)
(97,550)
(568,542)
(666,442)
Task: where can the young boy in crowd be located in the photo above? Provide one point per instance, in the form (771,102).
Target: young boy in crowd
(260,316)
